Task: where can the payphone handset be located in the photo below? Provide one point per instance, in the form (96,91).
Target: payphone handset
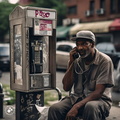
(37,56)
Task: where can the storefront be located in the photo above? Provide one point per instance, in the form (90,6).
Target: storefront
(62,32)
(101,30)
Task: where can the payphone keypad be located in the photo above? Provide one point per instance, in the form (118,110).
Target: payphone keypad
(36,57)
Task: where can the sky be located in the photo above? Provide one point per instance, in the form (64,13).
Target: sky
(12,1)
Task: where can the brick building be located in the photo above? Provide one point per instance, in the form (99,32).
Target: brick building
(93,10)
(100,16)
(25,2)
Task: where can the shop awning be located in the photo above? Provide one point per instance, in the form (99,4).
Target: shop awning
(62,31)
(115,25)
(95,27)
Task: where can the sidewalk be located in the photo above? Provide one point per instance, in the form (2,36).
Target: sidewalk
(114,113)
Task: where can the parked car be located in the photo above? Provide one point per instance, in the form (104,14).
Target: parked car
(109,49)
(62,53)
(4,57)
(116,88)
(0,73)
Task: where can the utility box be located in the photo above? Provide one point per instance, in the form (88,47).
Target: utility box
(33,49)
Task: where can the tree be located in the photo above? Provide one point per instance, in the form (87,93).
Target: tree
(55,4)
(5,9)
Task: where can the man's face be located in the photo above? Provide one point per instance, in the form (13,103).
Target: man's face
(84,48)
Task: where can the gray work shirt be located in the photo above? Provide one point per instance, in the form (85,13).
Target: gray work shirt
(99,72)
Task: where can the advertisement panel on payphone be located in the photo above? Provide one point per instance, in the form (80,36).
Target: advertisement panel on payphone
(17,55)
(42,27)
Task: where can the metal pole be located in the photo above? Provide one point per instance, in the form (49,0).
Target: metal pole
(59,93)
(25,105)
(1,101)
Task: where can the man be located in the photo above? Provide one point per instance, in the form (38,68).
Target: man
(91,77)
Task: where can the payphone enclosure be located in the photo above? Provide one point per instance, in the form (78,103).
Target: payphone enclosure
(32,49)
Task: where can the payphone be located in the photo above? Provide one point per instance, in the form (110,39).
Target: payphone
(32,58)
(33,48)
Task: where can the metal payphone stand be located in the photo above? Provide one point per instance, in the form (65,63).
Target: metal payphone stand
(33,57)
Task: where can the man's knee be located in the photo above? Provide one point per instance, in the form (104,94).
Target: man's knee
(91,110)
(95,110)
(54,107)
(93,105)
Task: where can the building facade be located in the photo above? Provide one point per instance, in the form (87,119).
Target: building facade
(100,16)
(93,10)
(25,2)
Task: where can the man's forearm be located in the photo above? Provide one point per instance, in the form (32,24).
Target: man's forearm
(69,63)
(68,78)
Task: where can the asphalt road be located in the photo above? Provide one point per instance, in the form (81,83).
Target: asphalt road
(5,79)
(9,110)
(114,114)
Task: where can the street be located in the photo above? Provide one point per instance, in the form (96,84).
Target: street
(59,75)
(5,79)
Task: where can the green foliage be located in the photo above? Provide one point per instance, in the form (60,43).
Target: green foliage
(54,4)
(50,96)
(5,9)
(8,93)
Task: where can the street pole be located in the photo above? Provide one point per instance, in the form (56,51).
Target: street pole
(1,101)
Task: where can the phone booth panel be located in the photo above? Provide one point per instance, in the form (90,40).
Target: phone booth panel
(33,49)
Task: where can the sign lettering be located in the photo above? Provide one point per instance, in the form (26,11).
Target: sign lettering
(42,14)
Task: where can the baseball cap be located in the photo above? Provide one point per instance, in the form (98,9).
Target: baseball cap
(84,34)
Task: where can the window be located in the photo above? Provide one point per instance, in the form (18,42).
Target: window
(103,38)
(106,47)
(64,48)
(113,6)
(4,51)
(92,6)
(102,4)
(118,5)
(72,10)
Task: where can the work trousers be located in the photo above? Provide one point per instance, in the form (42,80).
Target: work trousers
(93,110)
